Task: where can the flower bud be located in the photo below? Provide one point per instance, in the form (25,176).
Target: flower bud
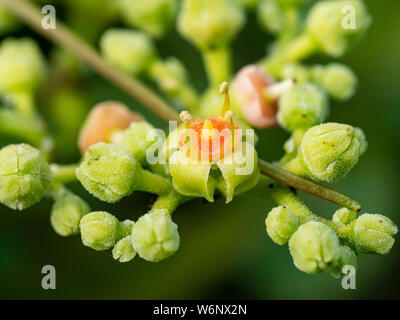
(99,230)
(155,237)
(67,212)
(299,73)
(210,24)
(126,227)
(135,139)
(347,257)
(22,65)
(108,172)
(129,50)
(248,89)
(152,16)
(123,250)
(271,16)
(337,25)
(24,176)
(302,106)
(314,247)
(281,223)
(343,217)
(103,121)
(373,233)
(329,151)
(337,79)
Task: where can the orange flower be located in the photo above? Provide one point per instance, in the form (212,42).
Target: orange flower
(103,120)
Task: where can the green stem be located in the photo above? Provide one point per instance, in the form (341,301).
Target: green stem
(154,183)
(167,203)
(63,173)
(218,65)
(296,50)
(305,185)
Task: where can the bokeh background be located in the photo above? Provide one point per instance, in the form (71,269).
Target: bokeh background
(225,252)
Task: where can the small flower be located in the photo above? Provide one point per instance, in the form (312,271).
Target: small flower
(337,79)
(152,16)
(127,227)
(249,87)
(67,212)
(210,24)
(135,139)
(100,230)
(211,155)
(24,176)
(329,151)
(123,250)
(108,171)
(22,65)
(347,257)
(333,28)
(373,233)
(131,51)
(155,237)
(314,247)
(281,223)
(302,106)
(103,121)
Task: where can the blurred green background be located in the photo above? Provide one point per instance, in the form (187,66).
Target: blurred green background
(225,252)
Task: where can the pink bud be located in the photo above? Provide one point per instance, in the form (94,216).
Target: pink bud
(249,88)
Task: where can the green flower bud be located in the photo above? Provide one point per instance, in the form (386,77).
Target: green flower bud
(347,257)
(337,25)
(302,106)
(123,250)
(131,51)
(329,151)
(210,23)
(155,237)
(337,79)
(152,16)
(314,247)
(343,217)
(108,171)
(25,176)
(270,16)
(21,65)
(362,138)
(296,71)
(373,233)
(281,223)
(135,139)
(67,212)
(100,230)
(126,227)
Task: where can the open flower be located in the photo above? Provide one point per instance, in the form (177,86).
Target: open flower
(211,155)
(103,121)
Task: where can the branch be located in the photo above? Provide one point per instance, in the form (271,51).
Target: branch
(70,42)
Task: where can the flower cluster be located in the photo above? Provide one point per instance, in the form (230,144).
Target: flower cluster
(213,149)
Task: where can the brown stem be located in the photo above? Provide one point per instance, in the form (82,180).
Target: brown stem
(69,41)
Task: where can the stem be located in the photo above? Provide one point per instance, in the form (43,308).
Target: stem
(63,173)
(168,203)
(218,65)
(305,185)
(154,183)
(66,39)
(70,42)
